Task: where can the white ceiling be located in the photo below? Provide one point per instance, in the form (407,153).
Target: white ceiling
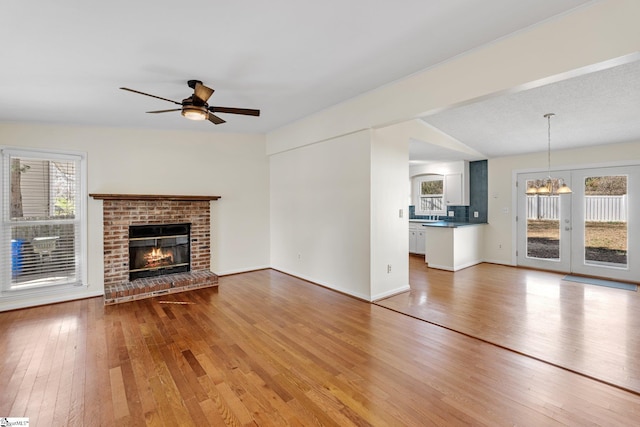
(63,62)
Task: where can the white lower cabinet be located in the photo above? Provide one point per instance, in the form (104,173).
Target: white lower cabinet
(420,242)
(416,239)
(412,241)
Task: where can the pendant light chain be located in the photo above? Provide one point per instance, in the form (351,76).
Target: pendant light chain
(548,116)
(547,188)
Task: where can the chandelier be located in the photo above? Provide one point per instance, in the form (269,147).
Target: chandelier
(549,185)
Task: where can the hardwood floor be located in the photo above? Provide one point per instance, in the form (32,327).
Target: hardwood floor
(268,349)
(588,329)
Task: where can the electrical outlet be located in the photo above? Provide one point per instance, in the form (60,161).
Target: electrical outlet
(475,214)
(388,268)
(400,213)
(451,213)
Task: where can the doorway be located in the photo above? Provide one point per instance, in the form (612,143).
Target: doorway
(590,231)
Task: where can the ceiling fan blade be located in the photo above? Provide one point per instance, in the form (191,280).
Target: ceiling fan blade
(153,96)
(244,111)
(164,111)
(215,119)
(202,92)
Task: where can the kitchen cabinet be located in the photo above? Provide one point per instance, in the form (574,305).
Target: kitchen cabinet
(417,238)
(420,242)
(413,234)
(456,189)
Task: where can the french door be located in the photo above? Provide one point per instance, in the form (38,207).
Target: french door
(544,225)
(593,231)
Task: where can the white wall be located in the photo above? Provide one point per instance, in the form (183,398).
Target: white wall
(335,216)
(501,227)
(389,230)
(320,221)
(233,166)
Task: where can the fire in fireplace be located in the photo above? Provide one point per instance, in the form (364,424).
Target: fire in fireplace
(158,249)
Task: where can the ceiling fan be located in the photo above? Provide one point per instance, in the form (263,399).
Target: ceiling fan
(195,107)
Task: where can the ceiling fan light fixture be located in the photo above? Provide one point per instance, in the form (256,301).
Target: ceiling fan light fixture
(194,113)
(195,107)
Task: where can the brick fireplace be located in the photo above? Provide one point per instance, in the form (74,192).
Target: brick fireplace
(120,211)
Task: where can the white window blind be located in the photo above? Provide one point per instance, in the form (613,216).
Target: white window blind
(42,212)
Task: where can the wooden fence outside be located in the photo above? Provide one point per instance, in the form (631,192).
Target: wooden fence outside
(597,208)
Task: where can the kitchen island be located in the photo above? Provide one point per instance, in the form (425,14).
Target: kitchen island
(453,246)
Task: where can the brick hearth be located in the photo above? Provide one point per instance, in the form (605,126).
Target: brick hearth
(122,210)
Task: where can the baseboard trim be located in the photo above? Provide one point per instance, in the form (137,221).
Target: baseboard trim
(20,302)
(324,285)
(241,270)
(390,293)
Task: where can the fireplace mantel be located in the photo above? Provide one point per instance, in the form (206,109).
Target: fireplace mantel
(182,198)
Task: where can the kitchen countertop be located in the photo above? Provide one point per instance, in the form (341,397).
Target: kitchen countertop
(445,224)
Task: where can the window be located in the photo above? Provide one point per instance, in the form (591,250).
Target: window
(430,195)
(42,231)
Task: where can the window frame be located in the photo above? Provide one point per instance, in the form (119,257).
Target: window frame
(418,196)
(79,221)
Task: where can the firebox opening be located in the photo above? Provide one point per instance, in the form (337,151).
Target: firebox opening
(156,250)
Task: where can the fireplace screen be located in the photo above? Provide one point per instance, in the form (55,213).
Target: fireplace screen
(156,250)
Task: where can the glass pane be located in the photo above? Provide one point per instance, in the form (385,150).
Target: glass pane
(42,189)
(42,255)
(543,225)
(432,187)
(605,238)
(431,203)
